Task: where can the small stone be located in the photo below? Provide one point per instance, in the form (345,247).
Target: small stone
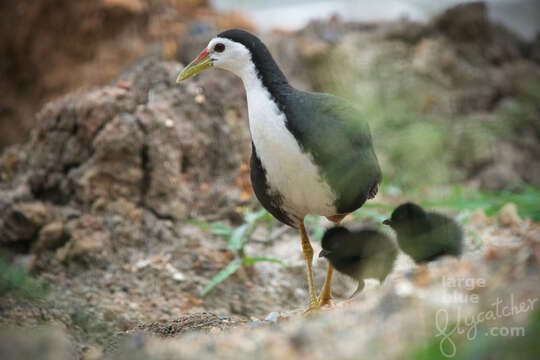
(36,212)
(272,317)
(51,236)
(22,222)
(92,353)
(404,289)
(123,84)
(255,324)
(479,217)
(508,215)
(83,246)
(25,262)
(200,98)
(178,276)
(142,264)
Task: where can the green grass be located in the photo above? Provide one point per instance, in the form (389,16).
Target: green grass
(465,200)
(527,201)
(460,199)
(18,282)
(237,238)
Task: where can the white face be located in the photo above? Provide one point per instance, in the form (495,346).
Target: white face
(229,55)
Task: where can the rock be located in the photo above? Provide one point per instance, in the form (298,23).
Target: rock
(436,58)
(508,215)
(133,6)
(92,353)
(34,62)
(22,221)
(151,144)
(405,30)
(272,317)
(505,171)
(51,236)
(44,343)
(479,217)
(116,168)
(25,262)
(85,245)
(465,22)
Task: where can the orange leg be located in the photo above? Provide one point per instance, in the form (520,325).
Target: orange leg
(325,297)
(307,250)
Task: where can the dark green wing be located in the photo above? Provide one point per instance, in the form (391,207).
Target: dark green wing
(336,134)
(446,234)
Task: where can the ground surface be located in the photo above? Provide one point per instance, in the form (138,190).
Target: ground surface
(110,202)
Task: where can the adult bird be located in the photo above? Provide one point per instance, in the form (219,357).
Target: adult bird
(312,153)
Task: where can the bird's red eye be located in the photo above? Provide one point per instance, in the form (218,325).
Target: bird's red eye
(219,47)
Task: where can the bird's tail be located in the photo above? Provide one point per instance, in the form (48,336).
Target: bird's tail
(373,191)
(358,289)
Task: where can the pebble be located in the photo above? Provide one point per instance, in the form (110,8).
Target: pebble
(200,98)
(404,289)
(508,215)
(50,236)
(178,276)
(479,217)
(272,317)
(255,323)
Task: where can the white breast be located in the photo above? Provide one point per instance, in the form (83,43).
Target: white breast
(289,170)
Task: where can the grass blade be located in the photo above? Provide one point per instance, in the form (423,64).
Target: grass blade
(220,229)
(222,275)
(248,261)
(235,241)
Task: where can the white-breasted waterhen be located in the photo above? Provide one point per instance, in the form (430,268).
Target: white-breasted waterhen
(312,153)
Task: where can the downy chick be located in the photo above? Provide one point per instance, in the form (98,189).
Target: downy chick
(360,254)
(425,236)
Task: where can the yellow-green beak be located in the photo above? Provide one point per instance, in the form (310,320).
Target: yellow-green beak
(201,63)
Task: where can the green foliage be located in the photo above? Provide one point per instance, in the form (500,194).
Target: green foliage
(237,239)
(19,282)
(465,201)
(222,275)
(484,346)
(462,199)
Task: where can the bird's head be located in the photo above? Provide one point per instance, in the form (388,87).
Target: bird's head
(333,240)
(234,50)
(405,214)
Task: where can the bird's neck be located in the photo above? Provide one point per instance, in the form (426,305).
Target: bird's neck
(266,117)
(262,75)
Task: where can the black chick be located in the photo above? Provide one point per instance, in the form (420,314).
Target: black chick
(361,254)
(425,236)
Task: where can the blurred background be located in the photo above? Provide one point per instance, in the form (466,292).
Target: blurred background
(125,200)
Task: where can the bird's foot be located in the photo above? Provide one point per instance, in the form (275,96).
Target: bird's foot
(313,308)
(325,301)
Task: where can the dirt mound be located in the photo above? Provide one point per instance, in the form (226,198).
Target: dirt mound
(50,47)
(143,143)
(41,40)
